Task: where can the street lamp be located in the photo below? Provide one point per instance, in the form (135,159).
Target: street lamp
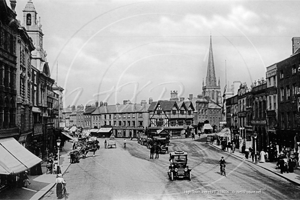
(58,141)
(254,148)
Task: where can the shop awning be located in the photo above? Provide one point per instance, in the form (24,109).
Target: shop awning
(207,127)
(104,130)
(14,158)
(36,110)
(67,135)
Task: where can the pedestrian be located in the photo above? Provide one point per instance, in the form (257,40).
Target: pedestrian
(151,151)
(25,179)
(233,147)
(60,186)
(124,143)
(105,143)
(156,151)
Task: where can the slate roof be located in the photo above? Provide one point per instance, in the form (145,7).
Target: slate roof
(128,108)
(89,110)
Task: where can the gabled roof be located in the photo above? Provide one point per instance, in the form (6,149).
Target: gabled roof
(166,105)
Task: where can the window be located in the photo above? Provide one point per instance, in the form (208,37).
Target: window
(294,69)
(182,112)
(270,103)
(281,94)
(288,92)
(294,89)
(174,112)
(275,84)
(189,112)
(28,19)
(281,74)
(274,101)
(128,123)
(140,123)
(120,123)
(158,112)
(133,123)
(173,123)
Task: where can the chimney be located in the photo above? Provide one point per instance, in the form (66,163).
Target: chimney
(181,98)
(295,44)
(105,104)
(174,96)
(97,103)
(125,102)
(143,102)
(101,104)
(150,100)
(190,97)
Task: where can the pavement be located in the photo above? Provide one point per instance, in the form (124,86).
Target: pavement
(293,177)
(40,184)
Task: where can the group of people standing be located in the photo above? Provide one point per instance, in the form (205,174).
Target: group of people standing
(154,149)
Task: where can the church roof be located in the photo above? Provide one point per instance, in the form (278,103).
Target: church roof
(211,80)
(29,7)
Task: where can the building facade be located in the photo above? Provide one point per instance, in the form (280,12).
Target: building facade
(272,104)
(288,79)
(8,72)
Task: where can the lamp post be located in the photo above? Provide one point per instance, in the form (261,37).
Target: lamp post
(254,148)
(58,141)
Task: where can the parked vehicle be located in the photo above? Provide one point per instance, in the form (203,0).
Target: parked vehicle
(178,166)
(111,142)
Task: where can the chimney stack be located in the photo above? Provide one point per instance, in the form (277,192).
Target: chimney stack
(295,44)
(150,100)
(191,97)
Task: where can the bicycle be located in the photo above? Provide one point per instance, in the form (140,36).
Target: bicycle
(223,171)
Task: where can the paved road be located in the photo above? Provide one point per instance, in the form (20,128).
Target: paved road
(130,174)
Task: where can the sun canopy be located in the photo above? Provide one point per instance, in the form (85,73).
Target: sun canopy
(14,158)
(104,130)
(67,134)
(224,133)
(207,127)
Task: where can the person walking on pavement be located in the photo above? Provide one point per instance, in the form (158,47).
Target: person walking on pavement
(124,143)
(156,151)
(151,151)
(105,143)
(233,147)
(60,186)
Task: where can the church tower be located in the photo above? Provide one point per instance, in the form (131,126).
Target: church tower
(34,30)
(211,88)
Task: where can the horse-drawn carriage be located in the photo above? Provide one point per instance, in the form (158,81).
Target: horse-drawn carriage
(83,146)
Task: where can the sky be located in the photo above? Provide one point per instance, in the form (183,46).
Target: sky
(115,50)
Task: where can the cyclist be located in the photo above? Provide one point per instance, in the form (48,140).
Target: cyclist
(222,166)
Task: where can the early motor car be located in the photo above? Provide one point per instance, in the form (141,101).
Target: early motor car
(111,142)
(178,166)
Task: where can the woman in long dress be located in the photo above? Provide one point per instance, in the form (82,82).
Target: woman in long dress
(60,186)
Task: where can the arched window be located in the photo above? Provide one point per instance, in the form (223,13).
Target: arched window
(28,19)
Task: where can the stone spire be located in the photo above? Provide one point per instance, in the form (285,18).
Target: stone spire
(211,80)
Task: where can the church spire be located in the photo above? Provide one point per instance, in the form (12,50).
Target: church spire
(211,80)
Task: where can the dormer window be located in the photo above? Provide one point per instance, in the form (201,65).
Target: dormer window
(28,20)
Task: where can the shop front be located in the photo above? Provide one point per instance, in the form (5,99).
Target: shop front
(14,159)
